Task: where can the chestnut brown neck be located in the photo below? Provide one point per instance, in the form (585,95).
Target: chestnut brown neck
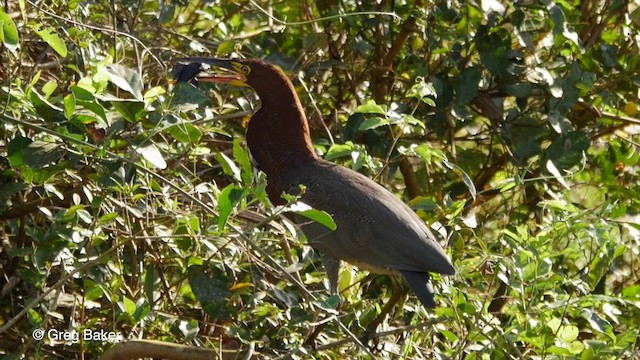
(278,134)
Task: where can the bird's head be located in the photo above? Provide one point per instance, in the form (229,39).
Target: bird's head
(255,73)
(278,133)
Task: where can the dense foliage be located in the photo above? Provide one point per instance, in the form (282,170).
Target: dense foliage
(129,205)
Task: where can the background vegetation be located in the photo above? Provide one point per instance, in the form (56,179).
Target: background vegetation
(130,205)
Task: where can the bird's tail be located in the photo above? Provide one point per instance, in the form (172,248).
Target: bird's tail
(420,284)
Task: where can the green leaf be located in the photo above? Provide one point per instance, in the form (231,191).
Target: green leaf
(185,133)
(211,289)
(493,53)
(126,79)
(142,310)
(559,205)
(241,154)
(412,120)
(46,110)
(553,170)
(627,338)
(16,149)
(423,91)
(131,110)
(84,119)
(370,107)
(554,324)
(86,99)
(9,189)
(82,94)
(40,154)
(340,150)
(559,123)
(449,335)
(567,333)
(429,101)
(567,150)
(466,84)
(598,323)
(167,13)
(631,292)
(50,37)
(94,291)
(319,216)
(9,34)
(186,93)
(229,167)
(465,177)
(34,318)
(587,354)
(519,90)
(108,218)
(422,203)
(152,154)
(69,105)
(226,47)
(127,306)
(558,18)
(429,154)
(49,88)
(373,123)
(525,136)
(329,304)
(287,298)
(189,329)
(227,201)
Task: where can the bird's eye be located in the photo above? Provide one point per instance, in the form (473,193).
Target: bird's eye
(245,69)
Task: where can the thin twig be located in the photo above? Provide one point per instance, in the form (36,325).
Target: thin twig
(326,18)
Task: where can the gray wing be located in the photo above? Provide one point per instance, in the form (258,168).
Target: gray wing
(375,230)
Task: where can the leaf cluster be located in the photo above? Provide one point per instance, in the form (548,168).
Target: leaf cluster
(129,203)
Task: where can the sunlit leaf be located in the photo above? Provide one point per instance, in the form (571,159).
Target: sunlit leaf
(39,154)
(339,150)
(229,198)
(126,79)
(598,323)
(225,48)
(318,216)
(373,123)
(370,107)
(229,166)
(9,33)
(51,38)
(550,166)
(186,133)
(152,154)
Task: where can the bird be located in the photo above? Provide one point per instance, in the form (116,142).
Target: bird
(375,230)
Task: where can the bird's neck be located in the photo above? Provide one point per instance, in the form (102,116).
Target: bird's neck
(278,134)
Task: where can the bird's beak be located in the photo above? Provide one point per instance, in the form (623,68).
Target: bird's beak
(200,69)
